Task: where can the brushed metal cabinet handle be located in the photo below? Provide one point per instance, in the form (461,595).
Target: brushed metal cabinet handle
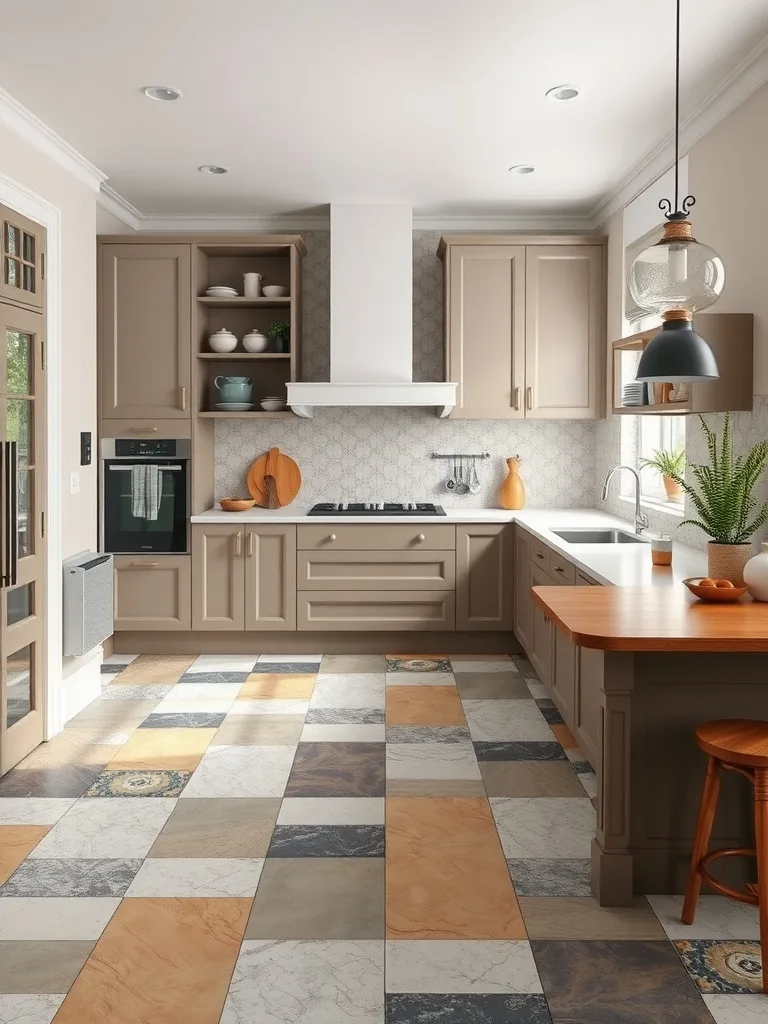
(238,544)
(143,430)
(250,545)
(558,568)
(143,565)
(517,398)
(183,398)
(529,398)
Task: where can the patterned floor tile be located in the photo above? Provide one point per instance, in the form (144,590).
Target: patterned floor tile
(16,843)
(117,691)
(330,810)
(247,706)
(207,828)
(66,781)
(281,667)
(530,778)
(339,982)
(492,721)
(187,877)
(717,917)
(327,841)
(467,1009)
(519,751)
(431,761)
(238,663)
(427,734)
(337,769)
(603,982)
(345,716)
(33,810)
(417,663)
(352,690)
(424,705)
(421,679)
(33,919)
(259,731)
(40,967)
(121,827)
(445,966)
(551,877)
(149,669)
(163,749)
(334,664)
(268,686)
(29,1009)
(189,720)
(241,772)
(72,877)
(531,827)
(491,686)
(139,783)
(560,917)
(722,965)
(733,1009)
(343,734)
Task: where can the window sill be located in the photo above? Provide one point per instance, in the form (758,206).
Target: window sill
(672,508)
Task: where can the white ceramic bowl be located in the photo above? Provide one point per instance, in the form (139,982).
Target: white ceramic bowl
(273,404)
(222,341)
(274,291)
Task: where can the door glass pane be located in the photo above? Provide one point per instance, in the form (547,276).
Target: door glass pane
(28,278)
(29,248)
(12,272)
(18,701)
(11,239)
(20,604)
(18,418)
(25,505)
(18,353)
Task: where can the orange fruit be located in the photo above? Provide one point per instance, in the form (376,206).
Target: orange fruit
(707,582)
(724,585)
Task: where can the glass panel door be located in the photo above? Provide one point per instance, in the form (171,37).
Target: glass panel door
(22,255)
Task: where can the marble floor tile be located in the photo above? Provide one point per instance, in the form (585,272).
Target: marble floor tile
(622,982)
(307,982)
(564,736)
(297,659)
(119,692)
(240,663)
(335,664)
(717,917)
(113,715)
(241,772)
(530,827)
(72,877)
(446,874)
(204,878)
(463,1009)
(343,734)
(283,667)
(214,678)
(207,828)
(119,659)
(350,690)
(345,716)
(32,811)
(733,1009)
(184,721)
(269,686)
(158,956)
(589,782)
(722,965)
(536,690)
(456,966)
(40,967)
(38,919)
(71,748)
(519,751)
(491,685)
(494,663)
(327,841)
(320,898)
(120,827)
(424,705)
(431,761)
(340,810)
(29,1009)
(247,706)
(551,877)
(139,783)
(337,769)
(421,679)
(193,705)
(492,721)
(16,842)
(427,734)
(224,693)
(163,749)
(525,668)
(579,766)
(418,663)
(63,781)
(435,787)
(561,917)
(259,731)
(148,669)
(530,778)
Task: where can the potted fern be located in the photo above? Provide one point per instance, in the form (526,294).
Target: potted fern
(724,501)
(671,465)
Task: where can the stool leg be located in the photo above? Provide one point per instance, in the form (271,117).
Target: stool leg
(761,848)
(707,810)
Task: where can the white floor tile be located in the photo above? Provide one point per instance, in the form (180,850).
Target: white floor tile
(15,810)
(349,690)
(123,827)
(447,966)
(33,919)
(210,877)
(194,705)
(589,782)
(29,1009)
(224,663)
(269,707)
(717,917)
(228,771)
(546,827)
(495,720)
(199,697)
(537,691)
(420,679)
(431,761)
(332,810)
(120,659)
(291,659)
(738,1009)
(343,734)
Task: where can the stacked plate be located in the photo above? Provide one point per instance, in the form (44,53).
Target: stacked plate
(234,406)
(633,393)
(221,291)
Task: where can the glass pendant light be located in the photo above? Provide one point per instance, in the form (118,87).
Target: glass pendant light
(676,277)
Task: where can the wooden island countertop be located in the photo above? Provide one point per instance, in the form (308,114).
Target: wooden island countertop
(653,619)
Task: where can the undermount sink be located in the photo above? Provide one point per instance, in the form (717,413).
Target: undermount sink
(585,535)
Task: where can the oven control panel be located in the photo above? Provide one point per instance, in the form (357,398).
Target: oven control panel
(161,448)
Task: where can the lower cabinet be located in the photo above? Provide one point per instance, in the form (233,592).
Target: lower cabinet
(523,600)
(395,610)
(541,652)
(484,578)
(152,593)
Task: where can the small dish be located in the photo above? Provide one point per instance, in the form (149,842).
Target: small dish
(274,291)
(236,504)
(234,406)
(273,404)
(220,291)
(715,594)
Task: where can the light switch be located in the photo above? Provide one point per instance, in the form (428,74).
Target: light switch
(74,483)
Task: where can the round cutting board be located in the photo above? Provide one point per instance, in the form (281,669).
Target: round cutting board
(286,474)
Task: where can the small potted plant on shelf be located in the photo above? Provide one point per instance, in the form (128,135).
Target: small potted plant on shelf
(671,465)
(724,501)
(280,335)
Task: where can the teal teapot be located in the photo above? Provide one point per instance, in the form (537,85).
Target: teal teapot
(234,389)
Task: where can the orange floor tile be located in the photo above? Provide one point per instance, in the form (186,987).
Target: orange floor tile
(266,686)
(16,842)
(163,750)
(424,705)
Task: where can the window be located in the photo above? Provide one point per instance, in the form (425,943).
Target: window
(641,436)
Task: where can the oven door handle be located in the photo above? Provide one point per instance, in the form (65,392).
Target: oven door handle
(129,469)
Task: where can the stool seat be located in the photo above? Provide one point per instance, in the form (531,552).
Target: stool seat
(735,740)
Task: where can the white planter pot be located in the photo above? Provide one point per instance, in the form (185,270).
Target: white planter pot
(756,574)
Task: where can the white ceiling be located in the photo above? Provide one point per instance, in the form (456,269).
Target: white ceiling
(311,101)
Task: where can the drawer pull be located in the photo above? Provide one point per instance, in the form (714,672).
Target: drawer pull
(144,565)
(143,430)
(238,544)
(539,555)
(331,536)
(421,537)
(546,619)
(559,568)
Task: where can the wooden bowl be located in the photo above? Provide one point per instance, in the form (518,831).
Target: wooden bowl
(236,504)
(721,594)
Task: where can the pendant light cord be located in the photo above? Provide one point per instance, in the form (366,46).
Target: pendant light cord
(677,105)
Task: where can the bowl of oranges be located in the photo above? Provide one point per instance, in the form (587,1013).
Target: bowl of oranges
(708,589)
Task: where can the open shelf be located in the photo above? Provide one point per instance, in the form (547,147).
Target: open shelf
(243,356)
(661,409)
(254,415)
(240,302)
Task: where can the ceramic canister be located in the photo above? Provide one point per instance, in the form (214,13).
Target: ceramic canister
(234,389)
(756,574)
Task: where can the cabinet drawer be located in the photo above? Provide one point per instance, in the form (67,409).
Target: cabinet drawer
(376,570)
(377,537)
(376,610)
(145,430)
(561,570)
(541,555)
(153,593)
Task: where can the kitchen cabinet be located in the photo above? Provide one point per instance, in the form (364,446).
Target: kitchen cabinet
(376,570)
(484,577)
(523,601)
(145,306)
(153,593)
(541,652)
(524,326)
(396,610)
(270,577)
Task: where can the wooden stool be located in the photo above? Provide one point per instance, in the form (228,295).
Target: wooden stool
(733,745)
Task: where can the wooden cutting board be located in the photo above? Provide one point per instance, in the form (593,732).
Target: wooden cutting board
(274,479)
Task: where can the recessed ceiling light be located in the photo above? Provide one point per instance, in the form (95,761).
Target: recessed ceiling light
(522,169)
(164,93)
(213,169)
(563,92)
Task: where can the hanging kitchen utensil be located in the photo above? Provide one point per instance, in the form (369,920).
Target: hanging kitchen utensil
(274,479)
(462,487)
(474,479)
(451,481)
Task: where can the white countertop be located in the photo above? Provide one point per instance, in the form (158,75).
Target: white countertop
(621,565)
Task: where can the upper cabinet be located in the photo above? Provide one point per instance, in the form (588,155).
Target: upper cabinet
(524,326)
(144,322)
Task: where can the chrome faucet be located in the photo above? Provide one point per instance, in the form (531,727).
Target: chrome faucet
(641,519)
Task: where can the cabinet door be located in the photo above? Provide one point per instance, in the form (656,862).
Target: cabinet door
(153,593)
(541,652)
(564,653)
(270,577)
(485,328)
(523,600)
(144,331)
(564,347)
(22,260)
(218,576)
(484,585)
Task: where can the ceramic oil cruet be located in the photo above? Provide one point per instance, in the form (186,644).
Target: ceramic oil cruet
(252,285)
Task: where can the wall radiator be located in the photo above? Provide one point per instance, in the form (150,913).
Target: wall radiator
(88,601)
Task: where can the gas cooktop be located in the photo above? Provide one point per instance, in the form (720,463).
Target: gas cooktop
(376,508)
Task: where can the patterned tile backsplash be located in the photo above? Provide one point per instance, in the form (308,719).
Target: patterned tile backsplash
(384,454)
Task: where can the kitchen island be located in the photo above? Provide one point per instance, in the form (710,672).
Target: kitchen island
(661,663)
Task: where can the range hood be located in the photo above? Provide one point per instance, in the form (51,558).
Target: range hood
(371,316)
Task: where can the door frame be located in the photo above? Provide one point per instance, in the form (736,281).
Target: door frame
(22,200)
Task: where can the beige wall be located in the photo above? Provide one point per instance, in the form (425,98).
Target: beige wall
(77,203)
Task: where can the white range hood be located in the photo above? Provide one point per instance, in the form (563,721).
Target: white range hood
(371,316)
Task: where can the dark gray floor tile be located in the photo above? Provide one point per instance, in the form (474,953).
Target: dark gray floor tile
(345,716)
(491,685)
(551,714)
(523,750)
(338,769)
(582,767)
(327,841)
(551,877)
(427,734)
(38,877)
(184,720)
(61,781)
(467,1009)
(214,677)
(302,668)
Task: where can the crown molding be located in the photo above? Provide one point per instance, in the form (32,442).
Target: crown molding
(233,225)
(119,207)
(735,88)
(22,122)
(549,222)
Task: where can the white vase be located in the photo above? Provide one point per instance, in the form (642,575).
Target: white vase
(756,574)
